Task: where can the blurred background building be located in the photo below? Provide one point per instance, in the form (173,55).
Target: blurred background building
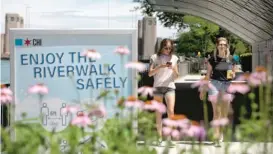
(13,20)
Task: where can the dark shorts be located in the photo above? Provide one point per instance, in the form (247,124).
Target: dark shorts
(163,91)
(220,86)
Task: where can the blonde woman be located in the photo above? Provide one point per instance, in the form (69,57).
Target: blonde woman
(163,67)
(220,71)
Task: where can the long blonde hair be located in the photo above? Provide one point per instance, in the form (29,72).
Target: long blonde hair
(227,51)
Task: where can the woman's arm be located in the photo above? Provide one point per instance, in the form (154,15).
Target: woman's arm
(209,71)
(175,70)
(233,71)
(153,70)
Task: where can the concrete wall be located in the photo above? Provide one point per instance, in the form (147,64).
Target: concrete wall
(2,40)
(149,36)
(140,45)
(262,54)
(13,20)
(158,41)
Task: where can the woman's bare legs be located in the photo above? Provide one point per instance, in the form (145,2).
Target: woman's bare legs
(224,106)
(216,115)
(224,109)
(159,123)
(170,101)
(159,116)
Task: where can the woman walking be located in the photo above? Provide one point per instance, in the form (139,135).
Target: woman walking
(220,71)
(163,67)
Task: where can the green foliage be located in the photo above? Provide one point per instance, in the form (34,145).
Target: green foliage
(202,37)
(198,39)
(119,133)
(246,54)
(168,19)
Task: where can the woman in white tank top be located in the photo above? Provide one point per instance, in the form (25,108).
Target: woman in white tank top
(163,67)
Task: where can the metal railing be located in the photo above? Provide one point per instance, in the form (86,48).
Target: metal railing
(192,65)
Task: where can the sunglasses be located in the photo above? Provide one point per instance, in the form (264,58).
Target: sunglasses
(222,44)
(167,48)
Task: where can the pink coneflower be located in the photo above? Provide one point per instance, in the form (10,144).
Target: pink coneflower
(203,84)
(122,50)
(195,131)
(91,53)
(175,126)
(38,89)
(256,78)
(6,95)
(173,132)
(238,87)
(167,131)
(136,65)
(98,111)
(132,101)
(221,98)
(146,90)
(170,123)
(243,77)
(160,107)
(70,109)
(178,121)
(154,105)
(261,73)
(81,120)
(220,122)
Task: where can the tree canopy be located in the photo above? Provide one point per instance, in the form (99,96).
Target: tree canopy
(166,18)
(202,33)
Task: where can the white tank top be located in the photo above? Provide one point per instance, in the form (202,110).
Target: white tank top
(165,76)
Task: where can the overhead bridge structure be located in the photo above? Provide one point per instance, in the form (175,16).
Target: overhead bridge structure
(251,20)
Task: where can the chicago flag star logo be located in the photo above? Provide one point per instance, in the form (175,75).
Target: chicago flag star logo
(27,42)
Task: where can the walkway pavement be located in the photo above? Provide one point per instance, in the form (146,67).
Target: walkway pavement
(208,148)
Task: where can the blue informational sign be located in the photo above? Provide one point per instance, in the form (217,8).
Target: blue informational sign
(54,58)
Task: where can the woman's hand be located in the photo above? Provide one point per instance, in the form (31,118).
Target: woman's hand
(163,65)
(201,95)
(153,71)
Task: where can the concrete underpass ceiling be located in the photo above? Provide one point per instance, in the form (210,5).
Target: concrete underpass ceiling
(252,20)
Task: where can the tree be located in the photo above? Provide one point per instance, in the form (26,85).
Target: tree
(168,19)
(202,37)
(198,39)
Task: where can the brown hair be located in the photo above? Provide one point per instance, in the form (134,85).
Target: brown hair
(163,43)
(227,51)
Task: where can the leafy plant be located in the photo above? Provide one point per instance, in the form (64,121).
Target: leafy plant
(135,121)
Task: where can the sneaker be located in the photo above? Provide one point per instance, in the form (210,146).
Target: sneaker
(159,142)
(217,144)
(221,139)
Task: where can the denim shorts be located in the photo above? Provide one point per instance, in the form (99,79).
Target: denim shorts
(220,86)
(163,91)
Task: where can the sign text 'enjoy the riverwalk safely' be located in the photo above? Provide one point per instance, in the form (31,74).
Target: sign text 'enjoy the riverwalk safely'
(55,58)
